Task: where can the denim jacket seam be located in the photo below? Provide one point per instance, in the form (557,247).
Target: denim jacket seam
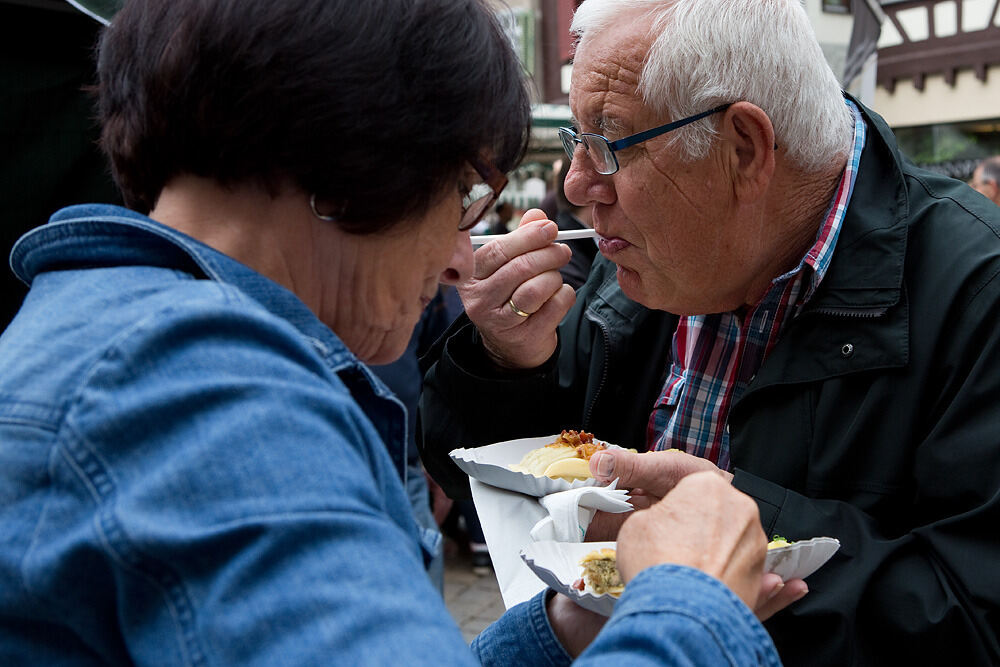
(35,414)
(60,452)
(88,465)
(96,474)
(26,557)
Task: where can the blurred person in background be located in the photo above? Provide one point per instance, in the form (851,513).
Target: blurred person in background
(500,219)
(197,465)
(404,378)
(986,179)
(570,216)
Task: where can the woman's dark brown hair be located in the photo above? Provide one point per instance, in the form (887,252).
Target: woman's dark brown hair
(373,105)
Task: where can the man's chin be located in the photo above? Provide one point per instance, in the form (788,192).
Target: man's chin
(634,288)
(631,283)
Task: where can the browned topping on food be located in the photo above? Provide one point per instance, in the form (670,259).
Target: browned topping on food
(582,441)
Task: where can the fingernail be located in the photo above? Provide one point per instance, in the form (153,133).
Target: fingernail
(605,464)
(776,590)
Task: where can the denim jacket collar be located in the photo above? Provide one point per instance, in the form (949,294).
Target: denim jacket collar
(127,237)
(67,242)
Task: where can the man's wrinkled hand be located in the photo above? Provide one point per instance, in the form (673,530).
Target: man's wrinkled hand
(516,297)
(652,473)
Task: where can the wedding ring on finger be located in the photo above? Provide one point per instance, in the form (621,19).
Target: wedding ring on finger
(517,311)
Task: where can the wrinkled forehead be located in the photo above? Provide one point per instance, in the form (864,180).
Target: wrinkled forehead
(604,93)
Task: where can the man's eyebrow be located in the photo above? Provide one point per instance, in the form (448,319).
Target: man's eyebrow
(609,126)
(602,124)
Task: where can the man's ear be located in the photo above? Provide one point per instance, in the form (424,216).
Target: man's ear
(993,191)
(748,139)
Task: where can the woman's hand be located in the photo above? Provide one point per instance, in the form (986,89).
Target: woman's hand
(706,524)
(440,502)
(775,595)
(519,270)
(575,627)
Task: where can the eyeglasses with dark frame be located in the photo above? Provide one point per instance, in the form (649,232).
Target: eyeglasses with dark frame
(602,151)
(483,195)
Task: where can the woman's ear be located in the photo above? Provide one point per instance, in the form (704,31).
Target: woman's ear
(748,138)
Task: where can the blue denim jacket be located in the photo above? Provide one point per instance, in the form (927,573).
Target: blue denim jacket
(195,471)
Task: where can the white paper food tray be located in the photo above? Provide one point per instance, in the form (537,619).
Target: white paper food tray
(558,565)
(489,464)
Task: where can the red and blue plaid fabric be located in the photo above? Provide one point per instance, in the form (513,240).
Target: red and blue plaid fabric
(714,357)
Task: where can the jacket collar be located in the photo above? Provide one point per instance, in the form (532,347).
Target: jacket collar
(96,235)
(858,319)
(617,314)
(866,272)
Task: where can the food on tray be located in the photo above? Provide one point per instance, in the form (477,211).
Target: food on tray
(538,460)
(777,542)
(569,469)
(600,573)
(566,458)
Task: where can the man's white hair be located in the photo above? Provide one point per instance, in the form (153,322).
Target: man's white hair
(710,52)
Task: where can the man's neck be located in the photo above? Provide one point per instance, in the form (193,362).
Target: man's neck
(800,205)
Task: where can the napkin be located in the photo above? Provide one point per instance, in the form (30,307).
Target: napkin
(570,512)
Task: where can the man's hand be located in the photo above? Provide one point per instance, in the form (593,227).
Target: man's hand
(522,268)
(652,473)
(648,477)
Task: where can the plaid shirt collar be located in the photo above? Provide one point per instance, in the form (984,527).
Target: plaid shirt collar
(716,356)
(820,255)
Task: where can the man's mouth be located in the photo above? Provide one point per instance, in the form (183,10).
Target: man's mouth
(612,245)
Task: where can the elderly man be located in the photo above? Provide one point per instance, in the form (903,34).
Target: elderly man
(986,179)
(782,296)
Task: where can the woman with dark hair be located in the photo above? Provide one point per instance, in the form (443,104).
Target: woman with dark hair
(196,465)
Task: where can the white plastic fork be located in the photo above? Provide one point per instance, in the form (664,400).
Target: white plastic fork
(562,235)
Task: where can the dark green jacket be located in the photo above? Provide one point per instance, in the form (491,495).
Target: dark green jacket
(873,420)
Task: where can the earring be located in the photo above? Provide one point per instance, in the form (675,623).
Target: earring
(312,205)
